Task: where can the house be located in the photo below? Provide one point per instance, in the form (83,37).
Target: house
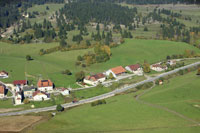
(171,62)
(28,91)
(20,83)
(18,98)
(2,90)
(95,79)
(4,74)
(65,91)
(45,85)
(40,96)
(158,67)
(136,69)
(117,71)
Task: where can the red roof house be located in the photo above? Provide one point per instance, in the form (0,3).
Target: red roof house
(2,90)
(45,83)
(20,82)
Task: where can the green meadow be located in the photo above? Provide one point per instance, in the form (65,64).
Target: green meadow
(124,114)
(51,65)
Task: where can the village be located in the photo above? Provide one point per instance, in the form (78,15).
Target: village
(21,91)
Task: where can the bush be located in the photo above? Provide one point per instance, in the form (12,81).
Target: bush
(59,108)
(28,57)
(26,101)
(78,63)
(80,76)
(146,29)
(181,72)
(99,102)
(67,72)
(198,72)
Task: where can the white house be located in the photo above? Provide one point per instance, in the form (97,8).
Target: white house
(28,91)
(171,62)
(65,91)
(2,90)
(95,79)
(158,67)
(45,86)
(18,98)
(136,69)
(40,96)
(117,71)
(3,74)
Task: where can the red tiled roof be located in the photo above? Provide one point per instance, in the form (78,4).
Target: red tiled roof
(44,83)
(134,67)
(95,77)
(118,70)
(37,92)
(2,89)
(158,65)
(20,82)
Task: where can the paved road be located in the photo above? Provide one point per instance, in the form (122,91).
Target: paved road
(110,94)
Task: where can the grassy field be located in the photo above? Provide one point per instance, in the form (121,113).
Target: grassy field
(41,9)
(124,114)
(51,65)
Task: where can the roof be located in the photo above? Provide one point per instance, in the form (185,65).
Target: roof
(39,93)
(28,88)
(95,77)
(2,88)
(134,67)
(20,82)
(158,65)
(4,72)
(118,70)
(44,83)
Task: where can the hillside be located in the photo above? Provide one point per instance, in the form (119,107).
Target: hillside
(124,114)
(51,65)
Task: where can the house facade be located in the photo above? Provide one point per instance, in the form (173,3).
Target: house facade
(95,79)
(40,96)
(158,67)
(136,69)
(2,90)
(18,98)
(28,91)
(45,86)
(65,92)
(117,71)
(4,74)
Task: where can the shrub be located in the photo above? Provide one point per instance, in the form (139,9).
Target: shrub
(28,57)
(78,63)
(99,102)
(181,72)
(26,101)
(59,108)
(80,76)
(67,72)
(198,72)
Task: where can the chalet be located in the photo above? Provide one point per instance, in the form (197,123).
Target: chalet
(65,91)
(2,90)
(136,69)
(28,91)
(4,74)
(171,62)
(45,85)
(117,71)
(95,79)
(18,98)
(20,83)
(40,96)
(158,67)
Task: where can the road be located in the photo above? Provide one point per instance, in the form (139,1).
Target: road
(100,97)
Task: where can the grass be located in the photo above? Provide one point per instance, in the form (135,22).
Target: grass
(50,66)
(180,94)
(123,114)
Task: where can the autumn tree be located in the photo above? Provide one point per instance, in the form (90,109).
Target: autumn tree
(146,67)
